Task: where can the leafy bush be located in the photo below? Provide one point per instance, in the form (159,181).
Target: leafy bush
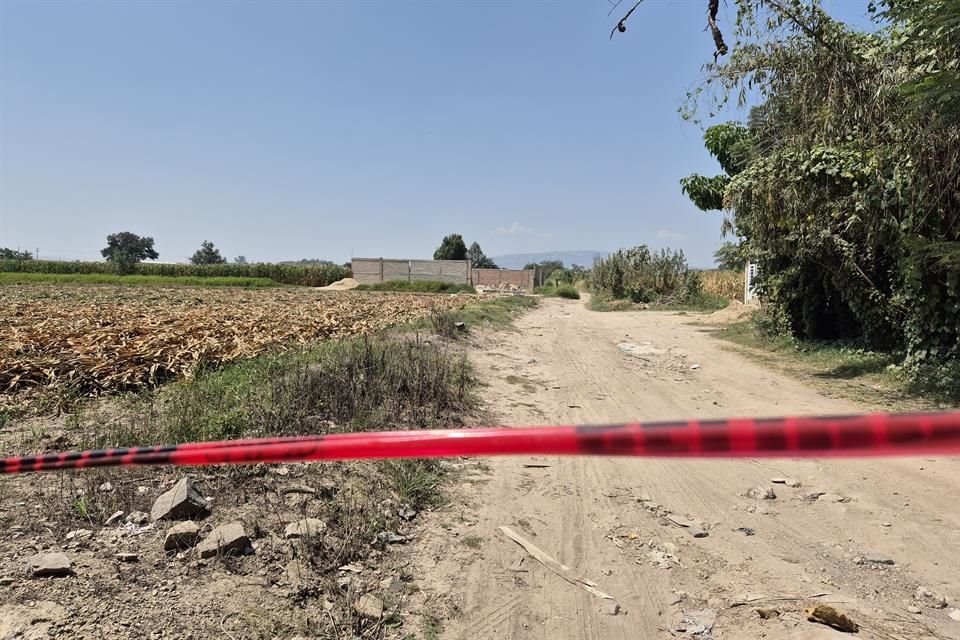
(563,291)
(643,276)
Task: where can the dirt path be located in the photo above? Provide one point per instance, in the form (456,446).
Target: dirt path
(604,517)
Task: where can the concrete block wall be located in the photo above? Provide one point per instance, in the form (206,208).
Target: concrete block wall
(376,270)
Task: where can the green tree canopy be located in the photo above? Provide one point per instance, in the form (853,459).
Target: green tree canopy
(207,254)
(126,249)
(843,183)
(451,248)
(14,254)
(478,259)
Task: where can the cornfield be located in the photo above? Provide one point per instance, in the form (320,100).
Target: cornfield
(100,340)
(727,284)
(305,275)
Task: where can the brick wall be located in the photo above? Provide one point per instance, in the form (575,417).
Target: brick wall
(521,278)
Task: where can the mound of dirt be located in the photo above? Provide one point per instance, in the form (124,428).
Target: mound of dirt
(341,285)
(734,312)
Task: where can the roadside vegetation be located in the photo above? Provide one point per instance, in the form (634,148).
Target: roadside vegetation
(558,291)
(843,368)
(841,184)
(638,278)
(408,377)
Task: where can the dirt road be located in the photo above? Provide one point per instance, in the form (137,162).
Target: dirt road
(606,517)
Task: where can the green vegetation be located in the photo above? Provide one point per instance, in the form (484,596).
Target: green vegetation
(478,259)
(496,312)
(562,291)
(14,254)
(472,541)
(660,279)
(842,184)
(841,367)
(124,250)
(306,275)
(208,254)
(704,302)
(418,286)
(452,247)
(133,281)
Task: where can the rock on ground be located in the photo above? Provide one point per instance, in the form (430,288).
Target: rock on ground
(304,528)
(225,539)
(50,564)
(181,502)
(369,606)
(762,493)
(930,598)
(181,536)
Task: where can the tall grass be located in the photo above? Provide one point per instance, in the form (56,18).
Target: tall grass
(305,275)
(134,281)
(418,286)
(725,284)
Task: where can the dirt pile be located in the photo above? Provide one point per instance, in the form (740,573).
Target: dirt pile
(734,312)
(345,284)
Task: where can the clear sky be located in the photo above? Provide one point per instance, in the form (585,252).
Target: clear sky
(325,129)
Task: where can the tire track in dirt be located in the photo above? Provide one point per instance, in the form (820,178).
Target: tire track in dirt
(591,367)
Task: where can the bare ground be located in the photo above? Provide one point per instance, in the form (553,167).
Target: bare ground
(606,517)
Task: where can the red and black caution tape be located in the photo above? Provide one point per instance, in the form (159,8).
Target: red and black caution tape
(861,435)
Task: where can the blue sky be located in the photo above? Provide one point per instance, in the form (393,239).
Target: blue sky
(324,129)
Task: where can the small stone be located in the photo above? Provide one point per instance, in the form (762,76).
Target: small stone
(225,539)
(794,484)
(181,502)
(886,524)
(814,495)
(668,547)
(304,528)
(694,366)
(79,534)
(50,564)
(343,583)
(747,531)
(6,581)
(114,519)
(766,614)
(182,535)
(369,606)
(873,558)
(407,513)
(930,598)
(612,608)
(777,481)
(913,609)
(328,605)
(954,615)
(106,486)
(391,537)
(832,497)
(762,493)
(697,532)
(352,568)
(137,517)
(127,557)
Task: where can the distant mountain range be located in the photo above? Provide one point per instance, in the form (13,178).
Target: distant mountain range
(568,258)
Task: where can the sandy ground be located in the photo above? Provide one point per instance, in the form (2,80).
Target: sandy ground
(606,517)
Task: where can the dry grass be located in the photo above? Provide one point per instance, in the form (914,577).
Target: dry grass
(725,284)
(90,341)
